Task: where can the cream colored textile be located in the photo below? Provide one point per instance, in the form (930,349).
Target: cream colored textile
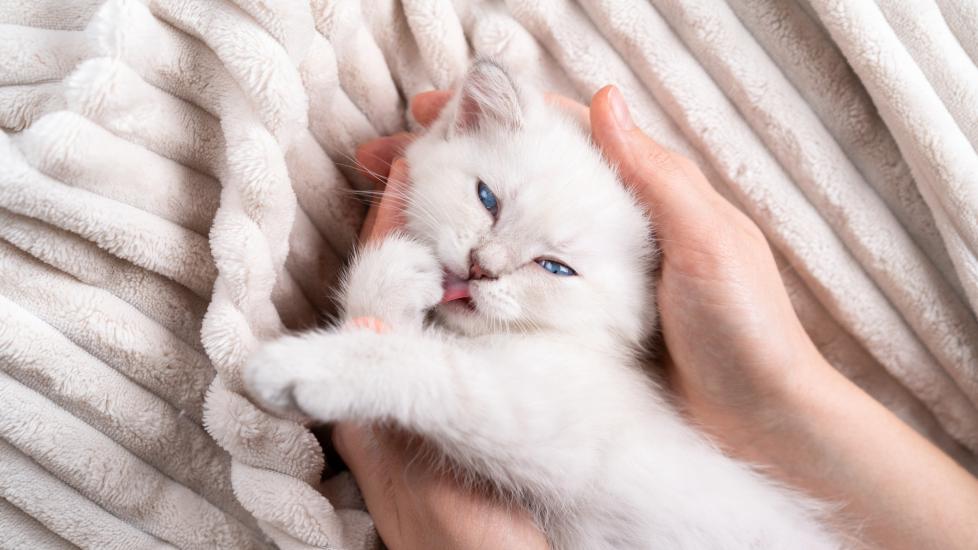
(176,186)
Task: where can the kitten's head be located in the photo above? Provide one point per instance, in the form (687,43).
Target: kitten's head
(534,230)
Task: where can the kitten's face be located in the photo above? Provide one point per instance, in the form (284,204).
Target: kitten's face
(533,229)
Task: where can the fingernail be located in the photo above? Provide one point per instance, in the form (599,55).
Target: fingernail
(620,110)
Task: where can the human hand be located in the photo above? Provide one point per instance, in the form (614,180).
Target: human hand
(416,506)
(742,364)
(735,347)
(413,504)
(747,372)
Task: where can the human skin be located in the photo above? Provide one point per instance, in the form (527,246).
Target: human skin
(743,368)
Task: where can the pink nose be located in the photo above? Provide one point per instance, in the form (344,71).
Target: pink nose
(476,271)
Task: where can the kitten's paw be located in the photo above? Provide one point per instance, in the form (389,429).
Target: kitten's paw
(397,281)
(316,374)
(271,373)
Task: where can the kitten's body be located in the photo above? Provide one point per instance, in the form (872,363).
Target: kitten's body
(534,381)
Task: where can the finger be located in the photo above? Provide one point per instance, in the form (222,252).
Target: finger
(676,192)
(376,464)
(576,110)
(411,500)
(385,215)
(389,213)
(426,106)
(369,222)
(374,158)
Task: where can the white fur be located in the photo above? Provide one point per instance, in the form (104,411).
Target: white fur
(539,389)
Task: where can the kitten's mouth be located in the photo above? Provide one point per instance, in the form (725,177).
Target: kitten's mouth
(456,290)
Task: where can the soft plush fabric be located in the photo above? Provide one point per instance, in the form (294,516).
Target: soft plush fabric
(177,185)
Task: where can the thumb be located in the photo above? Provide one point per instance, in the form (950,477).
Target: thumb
(677,194)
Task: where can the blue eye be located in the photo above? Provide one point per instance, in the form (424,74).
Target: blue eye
(488,199)
(556,268)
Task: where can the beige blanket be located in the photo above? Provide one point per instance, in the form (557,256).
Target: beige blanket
(176,185)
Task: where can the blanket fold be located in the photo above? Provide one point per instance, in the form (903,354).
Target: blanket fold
(178,185)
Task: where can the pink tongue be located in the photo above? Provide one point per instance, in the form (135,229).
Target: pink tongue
(455,288)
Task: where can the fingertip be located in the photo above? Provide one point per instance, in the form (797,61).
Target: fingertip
(426,106)
(374,157)
(365,151)
(661,178)
(635,153)
(607,134)
(603,124)
(600,104)
(371,161)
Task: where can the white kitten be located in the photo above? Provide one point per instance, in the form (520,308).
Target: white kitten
(533,264)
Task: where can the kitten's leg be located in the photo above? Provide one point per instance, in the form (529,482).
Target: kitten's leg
(396,281)
(516,410)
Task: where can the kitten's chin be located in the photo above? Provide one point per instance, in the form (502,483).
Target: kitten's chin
(462,317)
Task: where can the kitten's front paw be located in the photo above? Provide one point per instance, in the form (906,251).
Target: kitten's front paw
(270,374)
(397,281)
(327,376)
(292,366)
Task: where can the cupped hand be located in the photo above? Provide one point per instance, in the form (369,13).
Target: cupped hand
(737,357)
(734,345)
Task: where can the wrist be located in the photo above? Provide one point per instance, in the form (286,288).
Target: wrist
(782,409)
(800,393)
(789,435)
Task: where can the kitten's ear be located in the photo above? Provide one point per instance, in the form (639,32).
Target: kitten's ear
(488,97)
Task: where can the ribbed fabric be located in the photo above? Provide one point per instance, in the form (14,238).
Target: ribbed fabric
(177,185)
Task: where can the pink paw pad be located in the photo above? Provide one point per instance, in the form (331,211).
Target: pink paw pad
(369,323)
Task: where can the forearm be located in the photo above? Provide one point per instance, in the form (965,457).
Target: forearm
(841,445)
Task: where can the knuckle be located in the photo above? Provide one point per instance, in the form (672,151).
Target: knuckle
(748,230)
(660,159)
(662,163)
(685,164)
